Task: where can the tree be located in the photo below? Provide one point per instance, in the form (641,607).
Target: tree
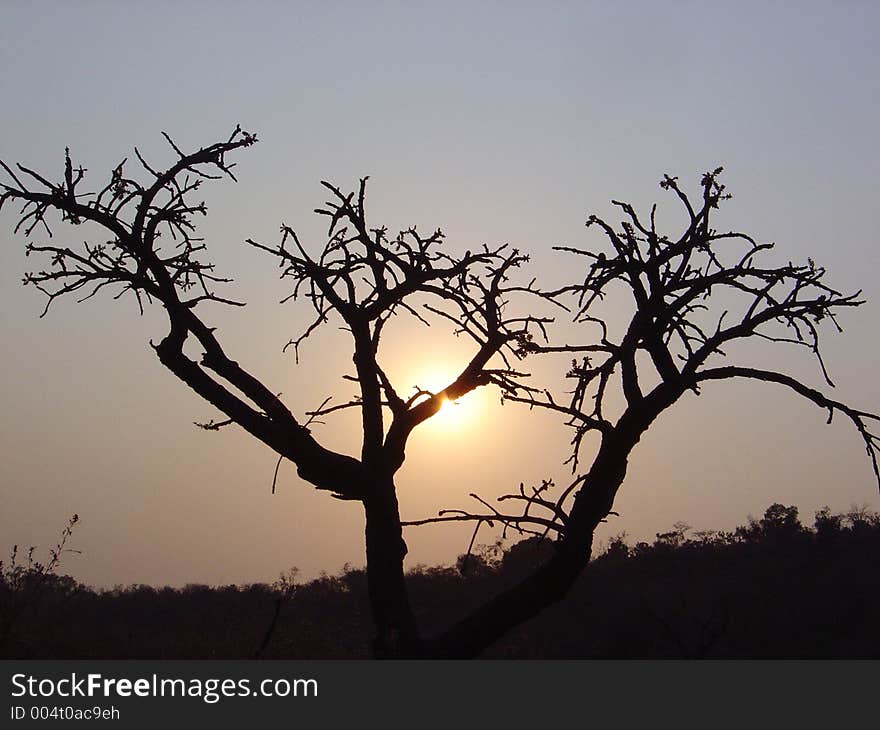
(364,277)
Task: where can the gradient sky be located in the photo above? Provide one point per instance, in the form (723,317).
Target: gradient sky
(496,121)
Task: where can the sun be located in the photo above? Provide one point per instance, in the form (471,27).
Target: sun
(453,414)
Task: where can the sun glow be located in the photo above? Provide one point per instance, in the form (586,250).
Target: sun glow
(453,415)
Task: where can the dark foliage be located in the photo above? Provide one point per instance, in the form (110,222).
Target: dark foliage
(769,589)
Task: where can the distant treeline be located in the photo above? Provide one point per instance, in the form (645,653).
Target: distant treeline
(772,588)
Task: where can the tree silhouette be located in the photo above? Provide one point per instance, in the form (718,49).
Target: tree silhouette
(692,296)
(364,276)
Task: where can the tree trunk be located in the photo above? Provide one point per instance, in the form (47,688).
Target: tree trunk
(509,609)
(396,633)
(551,582)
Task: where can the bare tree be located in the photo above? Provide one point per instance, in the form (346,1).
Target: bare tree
(691,298)
(363,276)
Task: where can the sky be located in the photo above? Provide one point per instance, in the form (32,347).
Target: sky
(499,122)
